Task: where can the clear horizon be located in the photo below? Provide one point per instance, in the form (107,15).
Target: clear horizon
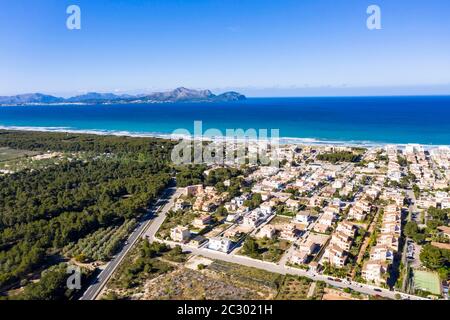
(280,92)
(266,49)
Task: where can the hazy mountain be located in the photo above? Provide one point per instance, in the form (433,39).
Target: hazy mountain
(230,96)
(30,98)
(177,95)
(93,96)
(180,94)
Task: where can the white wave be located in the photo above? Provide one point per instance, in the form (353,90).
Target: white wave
(282,140)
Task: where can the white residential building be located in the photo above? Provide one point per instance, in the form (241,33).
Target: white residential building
(388,239)
(221,244)
(347,228)
(303,217)
(341,240)
(335,256)
(180,234)
(374,271)
(268,231)
(381,253)
(299,257)
(254,218)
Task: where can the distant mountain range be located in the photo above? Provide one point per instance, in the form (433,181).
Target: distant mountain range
(177,95)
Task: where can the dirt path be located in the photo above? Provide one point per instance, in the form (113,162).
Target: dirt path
(364,246)
(311,290)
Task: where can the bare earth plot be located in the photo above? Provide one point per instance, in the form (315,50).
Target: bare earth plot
(185,283)
(294,288)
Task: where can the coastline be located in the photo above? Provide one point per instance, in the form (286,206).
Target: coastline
(284,141)
(355,121)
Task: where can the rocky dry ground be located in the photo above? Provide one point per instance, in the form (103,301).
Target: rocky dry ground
(185,283)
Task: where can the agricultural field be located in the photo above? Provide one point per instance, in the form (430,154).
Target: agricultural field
(100,245)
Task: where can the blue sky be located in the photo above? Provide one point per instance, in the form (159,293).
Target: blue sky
(259,47)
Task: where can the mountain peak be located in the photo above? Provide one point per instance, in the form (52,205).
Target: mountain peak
(180,94)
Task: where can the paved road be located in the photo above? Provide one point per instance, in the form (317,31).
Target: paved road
(162,205)
(268,266)
(273,267)
(415,262)
(150,232)
(150,226)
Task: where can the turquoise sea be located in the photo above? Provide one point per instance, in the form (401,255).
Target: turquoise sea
(359,120)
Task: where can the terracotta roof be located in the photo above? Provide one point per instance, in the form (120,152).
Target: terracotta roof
(439,245)
(444,229)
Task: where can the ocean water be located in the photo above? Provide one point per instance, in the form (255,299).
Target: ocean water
(358,120)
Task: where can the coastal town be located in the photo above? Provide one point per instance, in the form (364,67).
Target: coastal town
(372,218)
(327,222)
(225,159)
